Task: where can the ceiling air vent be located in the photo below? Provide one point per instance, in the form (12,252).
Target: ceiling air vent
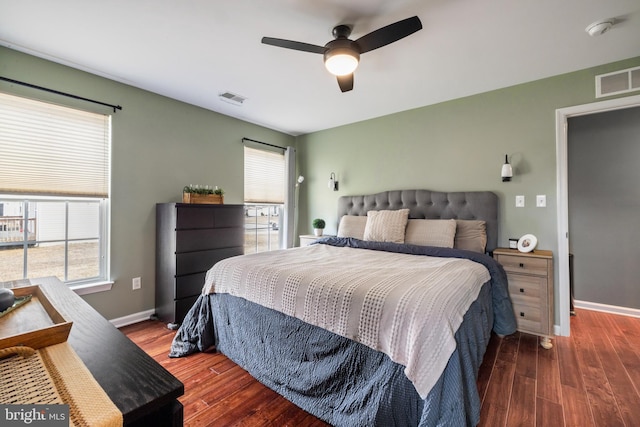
(618,82)
(232,98)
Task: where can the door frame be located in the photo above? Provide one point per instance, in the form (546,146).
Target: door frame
(562,191)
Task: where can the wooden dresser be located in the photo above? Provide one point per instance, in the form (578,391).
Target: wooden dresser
(190,239)
(530,278)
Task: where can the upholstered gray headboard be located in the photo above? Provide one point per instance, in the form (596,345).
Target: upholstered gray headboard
(427,204)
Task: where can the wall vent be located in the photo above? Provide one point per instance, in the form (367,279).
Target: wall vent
(618,82)
(232,98)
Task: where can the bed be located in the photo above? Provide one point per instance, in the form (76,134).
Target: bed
(385,324)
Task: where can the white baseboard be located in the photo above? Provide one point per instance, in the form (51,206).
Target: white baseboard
(613,309)
(132,318)
(594,306)
(556,330)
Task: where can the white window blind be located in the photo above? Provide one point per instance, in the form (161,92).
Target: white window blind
(47,149)
(264,176)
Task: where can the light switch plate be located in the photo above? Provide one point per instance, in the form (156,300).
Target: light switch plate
(519,201)
(541,201)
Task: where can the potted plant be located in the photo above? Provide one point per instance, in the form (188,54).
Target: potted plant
(202,194)
(318,225)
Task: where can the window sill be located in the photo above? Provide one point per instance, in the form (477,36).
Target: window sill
(92,288)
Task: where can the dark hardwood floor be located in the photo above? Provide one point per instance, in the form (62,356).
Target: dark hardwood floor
(589,379)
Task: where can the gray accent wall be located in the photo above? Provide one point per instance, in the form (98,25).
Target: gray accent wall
(604,206)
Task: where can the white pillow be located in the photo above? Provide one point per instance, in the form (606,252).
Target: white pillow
(352,226)
(386,226)
(431,232)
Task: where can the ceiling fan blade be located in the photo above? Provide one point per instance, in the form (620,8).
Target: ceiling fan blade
(345,82)
(389,34)
(290,44)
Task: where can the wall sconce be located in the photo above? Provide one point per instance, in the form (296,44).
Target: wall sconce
(333,184)
(300,180)
(507,171)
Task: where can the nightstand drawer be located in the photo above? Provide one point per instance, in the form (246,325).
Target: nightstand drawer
(525,265)
(526,289)
(528,318)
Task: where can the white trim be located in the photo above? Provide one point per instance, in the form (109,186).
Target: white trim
(289,199)
(91,288)
(612,309)
(132,318)
(562,115)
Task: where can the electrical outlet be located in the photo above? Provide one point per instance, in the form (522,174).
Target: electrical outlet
(519,201)
(136,283)
(541,201)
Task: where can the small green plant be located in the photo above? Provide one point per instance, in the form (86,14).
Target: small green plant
(318,223)
(203,189)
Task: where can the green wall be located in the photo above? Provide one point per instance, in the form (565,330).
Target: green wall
(453,146)
(159,145)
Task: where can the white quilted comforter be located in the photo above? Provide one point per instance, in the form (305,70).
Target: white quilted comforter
(407,306)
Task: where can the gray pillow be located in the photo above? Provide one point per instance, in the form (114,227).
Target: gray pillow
(431,232)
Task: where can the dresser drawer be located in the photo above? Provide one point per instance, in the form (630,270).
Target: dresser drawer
(526,289)
(189,285)
(198,217)
(198,262)
(205,239)
(525,265)
(182,307)
(528,318)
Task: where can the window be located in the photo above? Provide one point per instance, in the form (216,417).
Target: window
(264,195)
(54,184)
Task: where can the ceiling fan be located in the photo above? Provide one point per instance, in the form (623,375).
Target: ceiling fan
(341,55)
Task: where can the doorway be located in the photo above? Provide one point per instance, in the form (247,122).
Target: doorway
(604,209)
(562,116)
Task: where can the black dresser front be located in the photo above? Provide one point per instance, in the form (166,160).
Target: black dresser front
(190,239)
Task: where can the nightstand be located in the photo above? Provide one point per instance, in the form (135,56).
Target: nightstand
(530,278)
(307,239)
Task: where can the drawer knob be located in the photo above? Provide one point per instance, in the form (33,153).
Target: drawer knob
(521,265)
(522,290)
(522,314)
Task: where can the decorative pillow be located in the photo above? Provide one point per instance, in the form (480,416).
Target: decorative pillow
(352,226)
(471,235)
(386,226)
(431,232)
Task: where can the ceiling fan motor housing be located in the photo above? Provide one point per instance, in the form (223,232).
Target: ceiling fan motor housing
(343,52)
(342,46)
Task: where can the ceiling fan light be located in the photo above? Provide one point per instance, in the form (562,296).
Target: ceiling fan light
(341,62)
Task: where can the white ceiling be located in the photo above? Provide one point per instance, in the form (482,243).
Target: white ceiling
(193,50)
